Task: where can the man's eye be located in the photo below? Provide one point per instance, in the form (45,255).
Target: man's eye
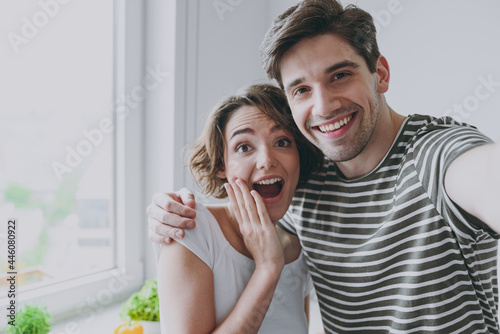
(339,76)
(299,91)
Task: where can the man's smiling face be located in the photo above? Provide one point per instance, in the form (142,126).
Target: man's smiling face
(332,94)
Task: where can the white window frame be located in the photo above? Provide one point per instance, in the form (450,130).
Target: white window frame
(87,294)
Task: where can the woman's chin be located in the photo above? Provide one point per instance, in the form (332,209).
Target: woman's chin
(278,205)
(276,214)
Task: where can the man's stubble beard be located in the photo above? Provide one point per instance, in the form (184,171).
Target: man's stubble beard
(345,151)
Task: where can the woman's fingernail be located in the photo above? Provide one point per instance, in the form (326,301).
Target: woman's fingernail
(178,234)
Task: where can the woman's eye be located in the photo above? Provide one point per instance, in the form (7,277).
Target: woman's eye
(283,143)
(242,148)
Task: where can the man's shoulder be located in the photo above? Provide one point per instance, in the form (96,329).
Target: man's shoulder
(421,125)
(432,143)
(423,130)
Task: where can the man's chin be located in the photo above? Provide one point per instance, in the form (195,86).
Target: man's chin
(340,154)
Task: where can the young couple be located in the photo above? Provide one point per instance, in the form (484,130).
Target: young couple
(398,229)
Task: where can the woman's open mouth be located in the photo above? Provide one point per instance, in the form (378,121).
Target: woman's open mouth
(269,188)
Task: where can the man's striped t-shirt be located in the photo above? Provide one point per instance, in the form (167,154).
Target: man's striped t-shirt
(389,251)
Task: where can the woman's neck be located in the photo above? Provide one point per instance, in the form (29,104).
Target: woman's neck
(229,226)
(231,230)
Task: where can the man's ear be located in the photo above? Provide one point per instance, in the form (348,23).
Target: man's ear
(383,75)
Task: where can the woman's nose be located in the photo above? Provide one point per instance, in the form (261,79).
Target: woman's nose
(267,159)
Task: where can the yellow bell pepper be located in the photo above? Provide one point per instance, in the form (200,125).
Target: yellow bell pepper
(132,327)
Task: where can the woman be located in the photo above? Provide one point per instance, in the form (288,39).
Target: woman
(236,272)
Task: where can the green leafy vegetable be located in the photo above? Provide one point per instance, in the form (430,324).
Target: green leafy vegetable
(143,305)
(31,319)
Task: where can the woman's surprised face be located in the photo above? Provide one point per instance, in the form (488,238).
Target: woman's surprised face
(265,156)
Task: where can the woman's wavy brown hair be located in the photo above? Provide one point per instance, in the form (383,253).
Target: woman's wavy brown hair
(207,153)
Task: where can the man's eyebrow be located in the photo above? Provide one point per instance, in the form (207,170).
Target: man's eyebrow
(345,63)
(333,68)
(294,83)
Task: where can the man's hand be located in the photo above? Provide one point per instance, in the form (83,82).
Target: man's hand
(169,213)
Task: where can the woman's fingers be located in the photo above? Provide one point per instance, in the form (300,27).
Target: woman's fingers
(233,201)
(259,234)
(240,200)
(249,202)
(261,209)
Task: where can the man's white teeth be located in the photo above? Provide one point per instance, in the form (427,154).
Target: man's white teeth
(336,125)
(270,181)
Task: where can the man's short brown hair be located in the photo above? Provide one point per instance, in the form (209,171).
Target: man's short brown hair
(207,152)
(312,18)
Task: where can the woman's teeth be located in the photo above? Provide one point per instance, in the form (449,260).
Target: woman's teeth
(336,125)
(270,181)
(269,188)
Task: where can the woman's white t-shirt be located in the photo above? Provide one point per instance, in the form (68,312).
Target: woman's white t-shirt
(232,271)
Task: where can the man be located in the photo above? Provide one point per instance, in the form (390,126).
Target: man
(400,228)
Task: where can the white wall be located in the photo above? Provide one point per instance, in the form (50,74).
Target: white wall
(439,52)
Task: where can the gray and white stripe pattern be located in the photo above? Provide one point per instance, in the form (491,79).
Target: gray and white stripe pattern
(390,252)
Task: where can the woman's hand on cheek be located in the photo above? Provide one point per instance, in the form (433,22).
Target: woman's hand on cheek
(257,229)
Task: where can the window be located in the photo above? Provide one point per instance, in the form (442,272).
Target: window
(63,166)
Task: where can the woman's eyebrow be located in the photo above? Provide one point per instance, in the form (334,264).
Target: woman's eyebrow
(242,131)
(277,127)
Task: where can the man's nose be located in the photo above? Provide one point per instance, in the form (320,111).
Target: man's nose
(325,102)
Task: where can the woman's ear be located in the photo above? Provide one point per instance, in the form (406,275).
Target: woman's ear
(221,174)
